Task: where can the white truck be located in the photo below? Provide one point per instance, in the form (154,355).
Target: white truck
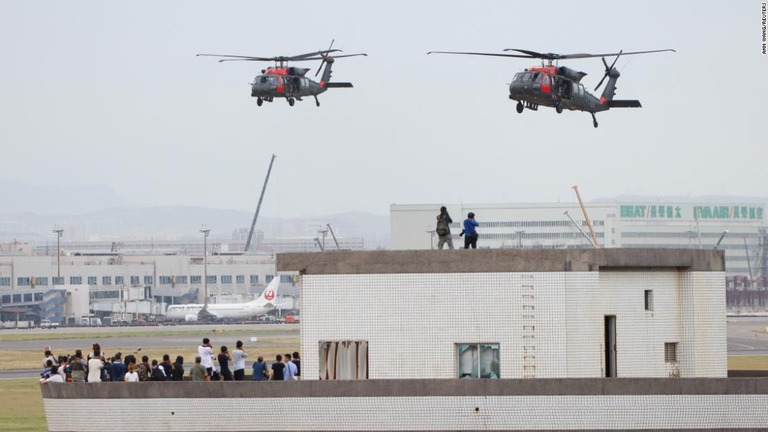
(48,324)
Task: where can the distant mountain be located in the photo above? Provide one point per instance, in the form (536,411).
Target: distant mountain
(177,223)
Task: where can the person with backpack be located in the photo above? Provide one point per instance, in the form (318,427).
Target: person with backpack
(443,229)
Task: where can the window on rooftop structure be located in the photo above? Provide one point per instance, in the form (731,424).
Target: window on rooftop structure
(240,279)
(670,352)
(254,279)
(269,278)
(134,281)
(211,279)
(648,300)
(478,360)
(106,280)
(226,279)
(148,280)
(5,281)
(196,279)
(75,280)
(343,360)
(119,280)
(23,281)
(58,280)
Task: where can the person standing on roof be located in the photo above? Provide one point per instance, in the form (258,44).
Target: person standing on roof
(443,229)
(470,233)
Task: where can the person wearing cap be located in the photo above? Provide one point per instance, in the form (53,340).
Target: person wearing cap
(206,355)
(470,233)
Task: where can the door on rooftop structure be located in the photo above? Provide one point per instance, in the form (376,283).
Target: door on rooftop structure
(610,346)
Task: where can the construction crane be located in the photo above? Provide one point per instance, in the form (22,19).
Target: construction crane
(258,207)
(334,236)
(586,216)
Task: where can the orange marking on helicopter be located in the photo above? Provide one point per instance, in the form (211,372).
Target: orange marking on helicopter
(322,84)
(280,88)
(602,100)
(546,86)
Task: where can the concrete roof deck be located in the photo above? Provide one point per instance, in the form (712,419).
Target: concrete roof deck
(500,260)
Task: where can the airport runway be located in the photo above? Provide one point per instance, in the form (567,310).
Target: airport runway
(743,337)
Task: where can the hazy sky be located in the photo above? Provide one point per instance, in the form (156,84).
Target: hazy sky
(111,94)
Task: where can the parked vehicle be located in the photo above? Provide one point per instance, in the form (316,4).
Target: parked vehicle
(48,324)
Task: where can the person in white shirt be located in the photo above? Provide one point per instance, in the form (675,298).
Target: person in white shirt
(206,355)
(95,365)
(54,377)
(238,364)
(131,375)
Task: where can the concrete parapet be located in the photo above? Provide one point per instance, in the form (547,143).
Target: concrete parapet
(499,260)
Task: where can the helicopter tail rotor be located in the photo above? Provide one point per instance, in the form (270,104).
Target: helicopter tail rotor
(325,58)
(607,69)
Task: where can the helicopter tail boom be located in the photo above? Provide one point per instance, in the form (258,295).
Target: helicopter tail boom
(634,103)
(338,84)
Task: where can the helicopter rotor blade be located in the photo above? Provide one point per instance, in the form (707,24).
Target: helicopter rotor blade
(350,55)
(481,54)
(555,56)
(239,57)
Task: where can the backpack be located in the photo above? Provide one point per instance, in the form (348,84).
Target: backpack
(442,226)
(145,374)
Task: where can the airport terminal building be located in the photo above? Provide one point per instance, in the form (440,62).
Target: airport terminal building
(34,288)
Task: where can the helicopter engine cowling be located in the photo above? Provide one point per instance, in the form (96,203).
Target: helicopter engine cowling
(571,74)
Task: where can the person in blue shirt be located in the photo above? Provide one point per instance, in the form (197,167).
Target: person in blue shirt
(260,371)
(117,370)
(470,233)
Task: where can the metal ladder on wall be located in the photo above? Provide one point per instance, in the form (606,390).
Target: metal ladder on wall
(529,326)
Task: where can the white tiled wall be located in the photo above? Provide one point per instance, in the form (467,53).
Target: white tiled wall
(413,321)
(568,412)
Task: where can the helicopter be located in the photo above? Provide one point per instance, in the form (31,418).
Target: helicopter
(283,81)
(560,87)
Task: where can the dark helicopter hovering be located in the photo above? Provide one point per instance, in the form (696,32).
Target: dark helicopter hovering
(559,86)
(283,81)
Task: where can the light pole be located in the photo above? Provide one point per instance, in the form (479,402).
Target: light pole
(205,262)
(59,232)
(520,238)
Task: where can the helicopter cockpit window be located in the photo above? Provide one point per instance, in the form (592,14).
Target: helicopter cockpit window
(535,77)
(518,77)
(527,76)
(266,79)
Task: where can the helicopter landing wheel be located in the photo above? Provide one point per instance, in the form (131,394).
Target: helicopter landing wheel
(520,107)
(594,123)
(291,101)
(559,108)
(259,101)
(317,101)
(594,120)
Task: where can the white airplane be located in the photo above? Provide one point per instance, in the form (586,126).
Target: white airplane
(260,306)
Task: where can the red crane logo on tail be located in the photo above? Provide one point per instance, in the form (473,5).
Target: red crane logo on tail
(269,295)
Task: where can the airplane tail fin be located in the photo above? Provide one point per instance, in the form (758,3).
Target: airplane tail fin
(270,292)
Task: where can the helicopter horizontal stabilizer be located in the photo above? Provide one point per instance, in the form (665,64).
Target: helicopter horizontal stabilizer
(338,84)
(624,104)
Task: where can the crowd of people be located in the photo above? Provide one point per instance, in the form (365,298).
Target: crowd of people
(95,367)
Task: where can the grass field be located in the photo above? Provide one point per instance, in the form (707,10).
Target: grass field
(23,409)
